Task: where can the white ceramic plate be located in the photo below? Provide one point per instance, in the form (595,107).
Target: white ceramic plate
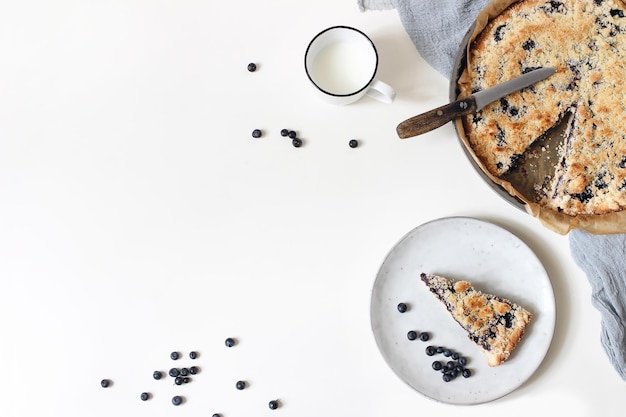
(495,261)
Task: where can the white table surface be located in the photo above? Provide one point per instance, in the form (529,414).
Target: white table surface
(138,216)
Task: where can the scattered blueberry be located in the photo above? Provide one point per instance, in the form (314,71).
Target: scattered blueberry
(193,354)
(273,404)
(184,372)
(252,67)
(411,335)
(179,380)
(424,336)
(194,370)
(174,355)
(455,356)
(292,134)
(230,342)
(240,385)
(439,349)
(256,133)
(353,143)
(447,377)
(450,365)
(402,307)
(105,383)
(186,380)
(296,142)
(437,366)
(174,372)
(284,132)
(157,375)
(462,361)
(447,353)
(430,350)
(466,373)
(216,415)
(177,400)
(145,396)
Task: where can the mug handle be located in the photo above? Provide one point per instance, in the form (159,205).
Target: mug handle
(381,91)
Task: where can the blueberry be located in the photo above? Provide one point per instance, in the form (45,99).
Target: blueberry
(186,380)
(105,383)
(157,375)
(450,365)
(402,308)
(256,133)
(145,396)
(455,355)
(440,349)
(252,67)
(292,134)
(437,366)
(466,373)
(296,142)
(194,370)
(430,350)
(184,372)
(174,372)
(179,380)
(177,400)
(284,132)
(240,385)
(216,415)
(273,404)
(174,355)
(447,377)
(411,335)
(193,355)
(462,361)
(447,353)
(424,336)
(230,342)
(353,143)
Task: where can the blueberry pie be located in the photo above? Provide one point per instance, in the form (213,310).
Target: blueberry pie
(492,322)
(586,41)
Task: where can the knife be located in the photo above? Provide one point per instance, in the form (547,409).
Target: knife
(433,119)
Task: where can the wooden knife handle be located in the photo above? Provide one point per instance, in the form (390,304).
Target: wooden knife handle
(433,119)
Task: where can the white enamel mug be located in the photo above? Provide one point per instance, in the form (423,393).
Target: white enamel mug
(341,63)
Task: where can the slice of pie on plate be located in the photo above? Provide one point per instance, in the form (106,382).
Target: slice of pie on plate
(492,322)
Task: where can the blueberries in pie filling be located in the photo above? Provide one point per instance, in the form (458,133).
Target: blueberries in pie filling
(497,36)
(528,45)
(585,196)
(622,163)
(617,13)
(500,137)
(554,7)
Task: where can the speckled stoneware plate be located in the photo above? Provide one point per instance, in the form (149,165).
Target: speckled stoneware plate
(496,262)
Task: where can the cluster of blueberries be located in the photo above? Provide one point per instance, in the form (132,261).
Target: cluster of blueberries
(453,367)
(183,376)
(295,140)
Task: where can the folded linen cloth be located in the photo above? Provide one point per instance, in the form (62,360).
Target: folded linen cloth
(437,29)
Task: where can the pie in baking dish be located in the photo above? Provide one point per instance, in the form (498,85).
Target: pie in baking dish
(492,322)
(586,41)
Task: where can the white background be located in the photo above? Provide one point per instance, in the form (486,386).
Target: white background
(138,216)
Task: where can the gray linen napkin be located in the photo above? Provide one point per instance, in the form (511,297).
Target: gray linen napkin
(437,29)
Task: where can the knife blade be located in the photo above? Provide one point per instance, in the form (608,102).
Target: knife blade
(435,118)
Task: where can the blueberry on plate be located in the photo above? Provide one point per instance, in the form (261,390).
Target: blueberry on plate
(252,67)
(105,383)
(437,366)
(353,143)
(296,142)
(177,400)
(194,370)
(466,373)
(240,385)
(145,396)
(174,355)
(256,133)
(411,335)
(174,372)
(446,377)
(292,134)
(157,375)
(193,354)
(402,307)
(184,371)
(430,350)
(284,132)
(230,342)
(424,336)
(179,380)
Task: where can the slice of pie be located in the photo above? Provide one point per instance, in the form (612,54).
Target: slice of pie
(492,322)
